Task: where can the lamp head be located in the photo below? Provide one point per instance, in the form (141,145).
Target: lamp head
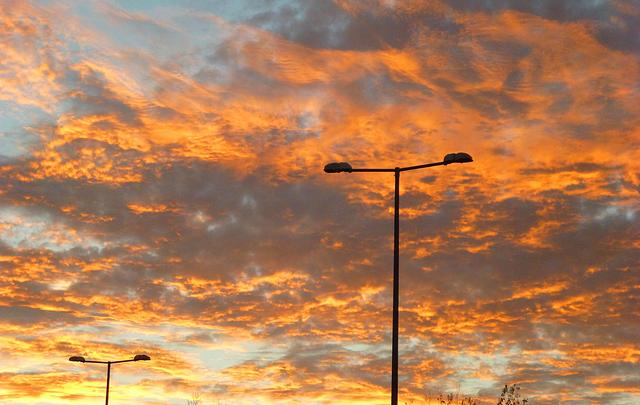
(77,358)
(141,357)
(338,167)
(459,157)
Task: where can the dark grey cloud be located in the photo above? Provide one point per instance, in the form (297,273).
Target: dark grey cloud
(550,383)
(570,10)
(27,316)
(622,34)
(614,28)
(492,104)
(87,93)
(323,24)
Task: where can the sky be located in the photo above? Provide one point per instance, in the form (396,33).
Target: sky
(162,192)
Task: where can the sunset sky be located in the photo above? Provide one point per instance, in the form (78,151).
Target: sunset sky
(162,192)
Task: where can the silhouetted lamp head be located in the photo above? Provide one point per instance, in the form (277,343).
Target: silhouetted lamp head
(459,157)
(338,167)
(77,358)
(141,357)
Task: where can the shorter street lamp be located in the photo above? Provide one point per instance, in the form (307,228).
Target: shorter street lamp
(81,359)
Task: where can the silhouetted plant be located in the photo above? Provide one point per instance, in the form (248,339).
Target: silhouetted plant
(455,399)
(511,396)
(195,399)
(445,399)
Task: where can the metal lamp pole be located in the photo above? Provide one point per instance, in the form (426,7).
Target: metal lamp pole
(341,167)
(81,359)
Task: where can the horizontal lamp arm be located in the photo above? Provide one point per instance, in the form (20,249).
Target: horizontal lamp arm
(121,361)
(373,170)
(401,169)
(404,169)
(108,362)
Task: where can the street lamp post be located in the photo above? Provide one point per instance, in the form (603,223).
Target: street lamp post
(344,167)
(81,359)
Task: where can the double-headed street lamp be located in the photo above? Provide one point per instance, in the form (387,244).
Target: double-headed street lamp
(345,167)
(81,359)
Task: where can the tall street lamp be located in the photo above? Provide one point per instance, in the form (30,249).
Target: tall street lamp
(345,167)
(81,359)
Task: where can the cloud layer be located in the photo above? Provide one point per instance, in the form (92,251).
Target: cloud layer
(161,192)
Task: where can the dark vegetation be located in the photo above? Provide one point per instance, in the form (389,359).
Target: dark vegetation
(510,396)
